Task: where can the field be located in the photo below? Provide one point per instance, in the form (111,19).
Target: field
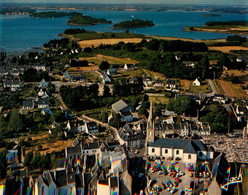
(230,89)
(227,49)
(185,84)
(162,100)
(48,146)
(89,68)
(97,59)
(97,42)
(208,42)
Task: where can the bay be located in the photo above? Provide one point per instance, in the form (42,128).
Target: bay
(21,33)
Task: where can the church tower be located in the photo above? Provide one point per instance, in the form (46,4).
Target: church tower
(150,133)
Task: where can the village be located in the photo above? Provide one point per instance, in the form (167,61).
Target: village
(105,125)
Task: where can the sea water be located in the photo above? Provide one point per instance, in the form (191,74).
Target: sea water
(21,33)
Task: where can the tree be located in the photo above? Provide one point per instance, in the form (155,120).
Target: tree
(203,66)
(115,121)
(106,91)
(104,65)
(15,121)
(104,117)
(3,167)
(28,158)
(224,61)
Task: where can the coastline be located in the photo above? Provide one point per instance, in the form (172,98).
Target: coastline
(231,30)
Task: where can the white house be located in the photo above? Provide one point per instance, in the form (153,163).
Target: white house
(13,85)
(129,66)
(179,149)
(111,71)
(159,83)
(42,103)
(197,82)
(91,148)
(220,98)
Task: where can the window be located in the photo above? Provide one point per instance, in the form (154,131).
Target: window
(189,156)
(177,152)
(200,154)
(153,150)
(166,151)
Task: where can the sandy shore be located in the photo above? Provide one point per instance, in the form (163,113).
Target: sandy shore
(186,39)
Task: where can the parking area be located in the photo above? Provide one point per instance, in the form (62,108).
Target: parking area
(168,182)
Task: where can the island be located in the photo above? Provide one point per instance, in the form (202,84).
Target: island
(135,23)
(211,15)
(53,14)
(233,27)
(86,20)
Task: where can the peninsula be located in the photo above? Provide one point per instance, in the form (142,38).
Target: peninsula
(233,27)
(53,14)
(136,23)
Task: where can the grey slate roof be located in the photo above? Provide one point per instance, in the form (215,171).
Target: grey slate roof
(119,105)
(43,101)
(73,150)
(27,103)
(90,146)
(188,146)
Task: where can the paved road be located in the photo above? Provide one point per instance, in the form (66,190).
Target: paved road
(214,90)
(114,130)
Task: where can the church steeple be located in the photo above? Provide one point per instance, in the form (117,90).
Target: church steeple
(150,117)
(150,134)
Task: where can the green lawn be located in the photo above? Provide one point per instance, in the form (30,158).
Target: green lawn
(204,88)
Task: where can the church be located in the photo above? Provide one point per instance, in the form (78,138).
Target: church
(186,150)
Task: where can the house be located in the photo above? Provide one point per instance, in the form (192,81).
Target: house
(197,82)
(121,106)
(73,153)
(42,103)
(147,81)
(39,67)
(172,85)
(43,94)
(91,148)
(240,59)
(191,64)
(111,71)
(105,78)
(133,80)
(46,110)
(159,83)
(188,151)
(43,84)
(220,98)
(91,127)
(80,78)
(28,104)
(13,85)
(124,110)
(126,116)
(108,186)
(129,66)
(67,76)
